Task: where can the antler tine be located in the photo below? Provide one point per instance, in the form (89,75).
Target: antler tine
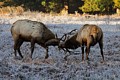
(72,31)
(65,35)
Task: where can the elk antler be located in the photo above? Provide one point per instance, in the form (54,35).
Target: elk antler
(71,31)
(66,34)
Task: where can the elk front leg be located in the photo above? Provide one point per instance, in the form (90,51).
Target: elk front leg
(46,48)
(82,48)
(19,44)
(66,55)
(32,47)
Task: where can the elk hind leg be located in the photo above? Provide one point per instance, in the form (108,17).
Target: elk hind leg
(18,48)
(101,49)
(15,48)
(87,51)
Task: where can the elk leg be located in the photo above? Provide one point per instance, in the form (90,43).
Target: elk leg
(67,50)
(19,44)
(101,48)
(32,47)
(87,51)
(46,48)
(15,48)
(16,42)
(82,48)
(46,56)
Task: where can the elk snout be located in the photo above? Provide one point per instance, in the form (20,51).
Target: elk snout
(52,42)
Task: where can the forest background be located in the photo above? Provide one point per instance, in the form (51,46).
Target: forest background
(61,6)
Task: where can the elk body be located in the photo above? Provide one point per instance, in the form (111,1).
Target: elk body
(33,32)
(88,36)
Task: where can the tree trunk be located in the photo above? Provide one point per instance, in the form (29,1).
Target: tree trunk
(63,1)
(118,11)
(68,5)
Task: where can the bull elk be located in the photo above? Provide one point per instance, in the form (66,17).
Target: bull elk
(33,32)
(88,35)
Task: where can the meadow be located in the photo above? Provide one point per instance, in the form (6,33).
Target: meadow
(55,67)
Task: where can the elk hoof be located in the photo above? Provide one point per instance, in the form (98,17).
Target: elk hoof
(21,56)
(27,59)
(87,59)
(83,61)
(46,56)
(102,61)
(17,58)
(30,57)
(65,58)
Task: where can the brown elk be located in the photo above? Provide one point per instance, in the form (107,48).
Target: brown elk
(34,32)
(88,36)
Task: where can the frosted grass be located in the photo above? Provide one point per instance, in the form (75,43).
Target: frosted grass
(55,68)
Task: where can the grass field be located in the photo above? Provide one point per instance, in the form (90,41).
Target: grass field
(55,67)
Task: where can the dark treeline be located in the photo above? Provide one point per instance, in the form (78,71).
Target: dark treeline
(72,6)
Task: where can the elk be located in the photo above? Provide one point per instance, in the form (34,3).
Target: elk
(88,35)
(33,32)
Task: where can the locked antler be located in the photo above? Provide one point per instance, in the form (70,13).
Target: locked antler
(66,35)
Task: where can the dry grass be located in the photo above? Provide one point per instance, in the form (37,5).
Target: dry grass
(11,10)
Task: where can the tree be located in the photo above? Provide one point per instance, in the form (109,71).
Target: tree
(51,5)
(105,5)
(90,6)
(97,6)
(117,6)
(117,3)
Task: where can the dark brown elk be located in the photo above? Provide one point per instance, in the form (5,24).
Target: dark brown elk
(88,36)
(33,32)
